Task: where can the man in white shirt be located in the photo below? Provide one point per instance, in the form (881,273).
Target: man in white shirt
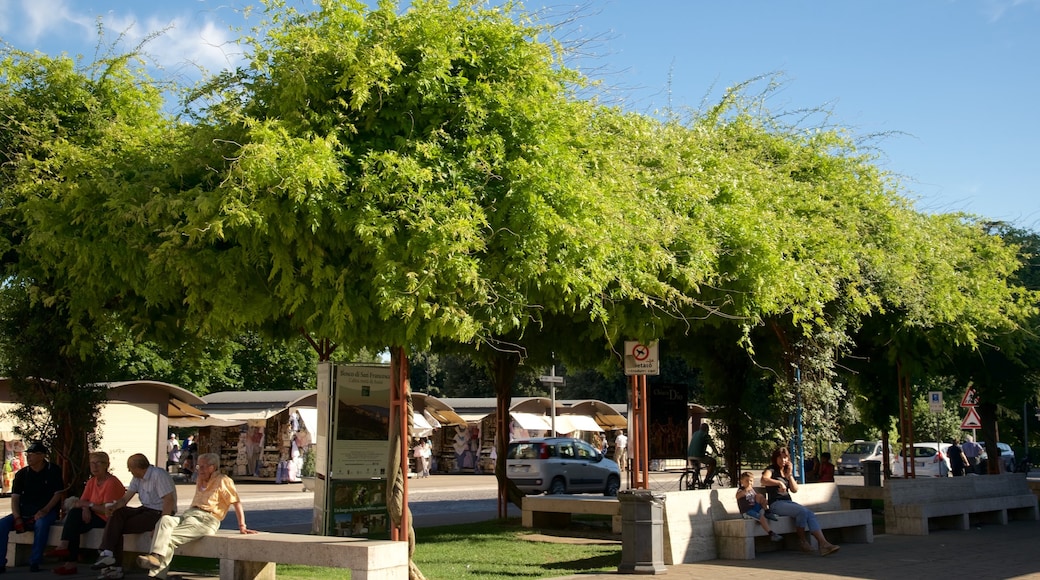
(621,450)
(971,450)
(158,496)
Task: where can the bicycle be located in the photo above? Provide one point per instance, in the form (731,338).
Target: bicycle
(691,478)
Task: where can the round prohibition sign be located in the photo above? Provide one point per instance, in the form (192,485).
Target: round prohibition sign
(640,352)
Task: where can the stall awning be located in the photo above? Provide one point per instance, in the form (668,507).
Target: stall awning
(420,426)
(437,409)
(309,415)
(570,423)
(226,417)
(531,422)
(178,409)
(605,415)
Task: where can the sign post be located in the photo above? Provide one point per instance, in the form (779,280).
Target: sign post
(972,420)
(640,360)
(551,380)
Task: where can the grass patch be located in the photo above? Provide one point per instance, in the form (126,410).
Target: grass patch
(490,550)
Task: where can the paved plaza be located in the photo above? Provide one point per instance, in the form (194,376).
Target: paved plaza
(984,552)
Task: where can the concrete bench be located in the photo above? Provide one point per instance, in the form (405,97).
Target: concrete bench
(555,511)
(916,506)
(253,557)
(737,537)
(706,524)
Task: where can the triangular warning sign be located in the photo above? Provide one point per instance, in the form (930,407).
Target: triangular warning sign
(970,398)
(971,420)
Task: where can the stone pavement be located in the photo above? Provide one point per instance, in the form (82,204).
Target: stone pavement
(982,553)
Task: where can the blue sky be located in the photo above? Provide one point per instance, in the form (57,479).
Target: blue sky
(952,84)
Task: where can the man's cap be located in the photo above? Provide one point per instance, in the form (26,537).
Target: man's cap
(37,447)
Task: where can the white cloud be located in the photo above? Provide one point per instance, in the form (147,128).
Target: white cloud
(997,9)
(178,42)
(50,18)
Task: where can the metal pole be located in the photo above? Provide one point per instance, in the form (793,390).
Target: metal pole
(800,451)
(1025,430)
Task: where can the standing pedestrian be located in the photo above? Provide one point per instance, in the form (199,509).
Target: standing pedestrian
(972,450)
(958,461)
(621,450)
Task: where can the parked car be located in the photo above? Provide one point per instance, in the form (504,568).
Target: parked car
(1007,456)
(930,460)
(855,454)
(560,465)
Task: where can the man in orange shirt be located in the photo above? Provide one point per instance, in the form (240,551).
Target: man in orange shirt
(215,493)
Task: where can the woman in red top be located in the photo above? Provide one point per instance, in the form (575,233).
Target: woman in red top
(826,469)
(89,511)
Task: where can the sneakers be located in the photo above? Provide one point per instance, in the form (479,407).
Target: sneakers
(104,561)
(149,562)
(829,550)
(111,573)
(771,516)
(775,537)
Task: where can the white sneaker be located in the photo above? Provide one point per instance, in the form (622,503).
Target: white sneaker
(104,561)
(111,573)
(776,537)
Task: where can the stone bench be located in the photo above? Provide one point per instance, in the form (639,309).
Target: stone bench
(253,556)
(555,511)
(706,524)
(738,536)
(916,506)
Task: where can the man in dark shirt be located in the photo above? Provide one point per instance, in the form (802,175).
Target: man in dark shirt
(35,496)
(698,451)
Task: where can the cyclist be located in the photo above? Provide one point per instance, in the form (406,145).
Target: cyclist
(698,451)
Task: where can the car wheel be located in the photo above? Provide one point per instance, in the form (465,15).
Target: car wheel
(557,487)
(613,485)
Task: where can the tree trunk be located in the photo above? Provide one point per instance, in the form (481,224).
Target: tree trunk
(503,367)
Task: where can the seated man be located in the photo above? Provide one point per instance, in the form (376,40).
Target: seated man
(214,494)
(158,496)
(36,494)
(698,451)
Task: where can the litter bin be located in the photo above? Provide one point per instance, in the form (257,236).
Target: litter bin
(871,472)
(642,532)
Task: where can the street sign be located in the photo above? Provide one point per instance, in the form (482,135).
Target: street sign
(551,379)
(935,401)
(971,420)
(641,359)
(970,398)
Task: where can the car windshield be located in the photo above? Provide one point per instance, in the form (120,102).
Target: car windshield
(860,448)
(523,451)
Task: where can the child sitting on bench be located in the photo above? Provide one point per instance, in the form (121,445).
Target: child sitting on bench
(753,505)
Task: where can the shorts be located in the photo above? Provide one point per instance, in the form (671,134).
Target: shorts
(755,512)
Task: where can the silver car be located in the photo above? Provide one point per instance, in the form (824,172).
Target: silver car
(560,465)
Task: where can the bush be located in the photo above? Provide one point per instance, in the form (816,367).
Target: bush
(308,462)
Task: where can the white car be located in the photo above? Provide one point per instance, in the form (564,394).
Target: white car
(930,460)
